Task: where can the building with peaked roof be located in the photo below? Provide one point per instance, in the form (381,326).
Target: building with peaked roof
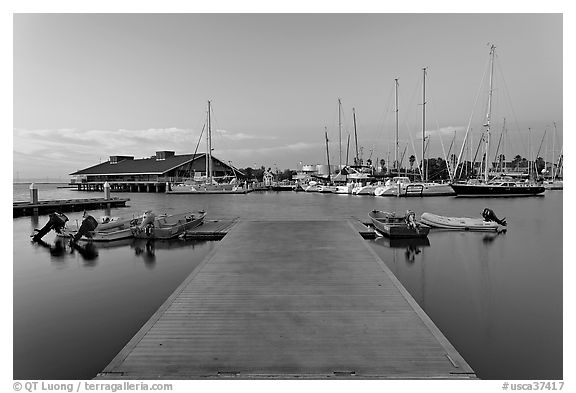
(125,173)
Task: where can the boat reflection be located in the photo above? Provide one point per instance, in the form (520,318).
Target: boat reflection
(61,247)
(147,252)
(56,250)
(87,251)
(147,249)
(412,246)
(489,238)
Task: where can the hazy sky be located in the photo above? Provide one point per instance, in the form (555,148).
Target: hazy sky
(87,86)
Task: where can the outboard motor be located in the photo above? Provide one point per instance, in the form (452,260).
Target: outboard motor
(89,224)
(489,215)
(56,221)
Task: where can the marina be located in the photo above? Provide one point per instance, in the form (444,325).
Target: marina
(369,196)
(455,277)
(253,312)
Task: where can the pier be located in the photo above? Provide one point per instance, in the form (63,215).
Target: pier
(62,205)
(290,299)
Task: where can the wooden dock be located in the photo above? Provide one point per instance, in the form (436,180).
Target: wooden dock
(290,299)
(62,205)
(210,230)
(215,192)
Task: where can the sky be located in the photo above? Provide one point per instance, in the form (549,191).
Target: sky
(88,86)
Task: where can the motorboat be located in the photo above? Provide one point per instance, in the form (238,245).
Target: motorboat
(167,226)
(392,187)
(103,231)
(91,229)
(486,223)
(394,226)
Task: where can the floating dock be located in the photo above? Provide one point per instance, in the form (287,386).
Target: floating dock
(210,230)
(290,300)
(62,205)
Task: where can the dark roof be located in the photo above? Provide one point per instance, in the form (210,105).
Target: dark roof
(139,166)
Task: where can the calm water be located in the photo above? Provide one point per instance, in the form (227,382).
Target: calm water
(497,298)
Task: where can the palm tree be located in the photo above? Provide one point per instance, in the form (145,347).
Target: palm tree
(382,165)
(516,161)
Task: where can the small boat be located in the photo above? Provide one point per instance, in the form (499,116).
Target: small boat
(167,226)
(91,229)
(395,226)
(461,223)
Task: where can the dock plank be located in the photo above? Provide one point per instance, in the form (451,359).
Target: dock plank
(290,299)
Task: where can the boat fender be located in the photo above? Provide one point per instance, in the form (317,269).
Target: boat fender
(489,215)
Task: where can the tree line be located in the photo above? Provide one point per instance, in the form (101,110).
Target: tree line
(437,168)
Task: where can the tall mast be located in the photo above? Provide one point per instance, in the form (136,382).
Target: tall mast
(503,170)
(347,150)
(355,137)
(340,132)
(396,149)
(529,154)
(424,169)
(327,154)
(554,152)
(209,149)
(489,114)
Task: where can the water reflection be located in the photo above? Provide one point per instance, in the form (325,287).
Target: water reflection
(61,248)
(148,253)
(412,247)
(488,238)
(56,250)
(87,251)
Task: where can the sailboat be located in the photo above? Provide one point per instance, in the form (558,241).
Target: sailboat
(556,182)
(425,188)
(327,188)
(492,187)
(396,185)
(207,184)
(402,186)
